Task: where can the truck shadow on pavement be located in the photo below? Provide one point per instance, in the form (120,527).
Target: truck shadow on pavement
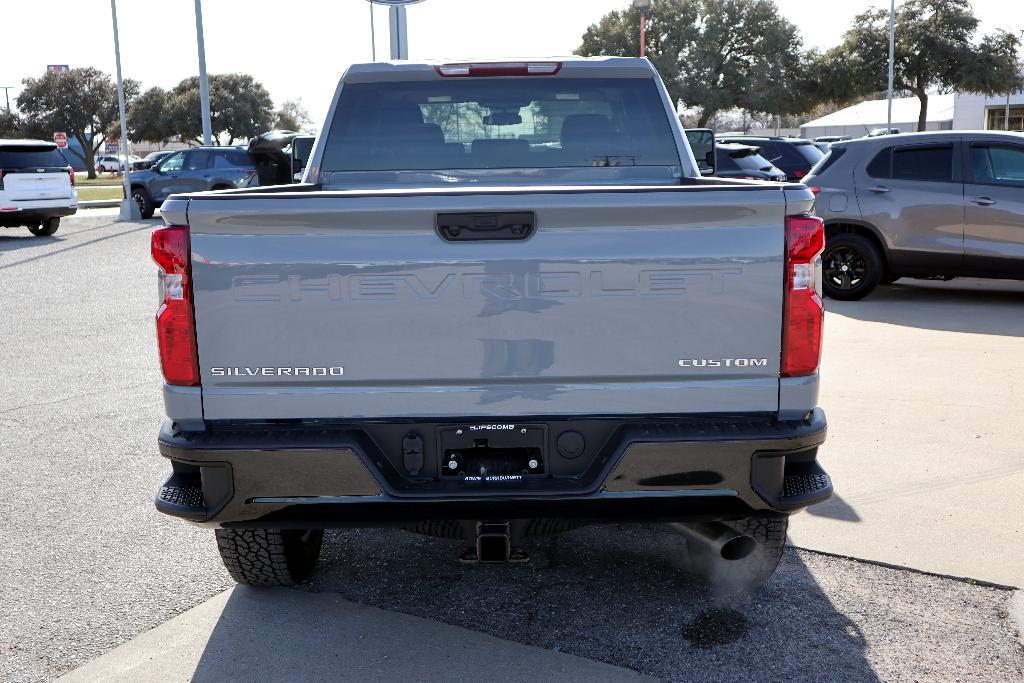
(615,594)
(976,306)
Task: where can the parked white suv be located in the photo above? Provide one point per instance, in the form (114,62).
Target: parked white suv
(37,186)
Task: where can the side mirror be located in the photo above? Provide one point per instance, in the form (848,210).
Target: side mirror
(302,147)
(702,144)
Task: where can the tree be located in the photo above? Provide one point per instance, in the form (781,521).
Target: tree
(10,124)
(82,102)
(712,54)
(148,118)
(240,108)
(934,51)
(293,116)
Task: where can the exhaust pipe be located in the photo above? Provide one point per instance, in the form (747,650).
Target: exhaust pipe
(718,538)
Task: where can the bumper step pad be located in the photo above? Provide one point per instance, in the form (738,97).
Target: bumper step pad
(804,484)
(182,498)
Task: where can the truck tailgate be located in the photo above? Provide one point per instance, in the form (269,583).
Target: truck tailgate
(339,305)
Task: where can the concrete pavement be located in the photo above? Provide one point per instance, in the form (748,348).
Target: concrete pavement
(292,635)
(923,385)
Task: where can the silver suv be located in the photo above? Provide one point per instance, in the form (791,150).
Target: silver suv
(927,205)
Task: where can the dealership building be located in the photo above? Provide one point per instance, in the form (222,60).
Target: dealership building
(954,111)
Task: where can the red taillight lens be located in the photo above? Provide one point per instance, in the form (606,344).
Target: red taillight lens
(71,174)
(815,190)
(798,174)
(175,324)
(804,311)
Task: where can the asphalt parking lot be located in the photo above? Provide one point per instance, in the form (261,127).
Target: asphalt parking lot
(88,565)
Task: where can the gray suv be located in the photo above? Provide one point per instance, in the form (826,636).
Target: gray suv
(191,170)
(926,205)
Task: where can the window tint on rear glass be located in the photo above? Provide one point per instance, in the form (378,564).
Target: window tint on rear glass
(923,163)
(754,162)
(470,123)
(21,156)
(808,152)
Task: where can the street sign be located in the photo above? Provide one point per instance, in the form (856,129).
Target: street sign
(57,68)
(61,139)
(395,3)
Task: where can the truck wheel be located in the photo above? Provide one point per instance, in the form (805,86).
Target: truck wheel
(46,228)
(744,576)
(269,557)
(142,198)
(852,266)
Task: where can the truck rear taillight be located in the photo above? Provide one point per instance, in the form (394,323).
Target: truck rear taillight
(804,312)
(175,322)
(71,174)
(499,69)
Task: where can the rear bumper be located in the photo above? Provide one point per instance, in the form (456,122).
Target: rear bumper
(34,215)
(673,468)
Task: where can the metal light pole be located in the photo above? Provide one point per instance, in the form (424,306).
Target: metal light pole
(643,6)
(399,26)
(204,87)
(373,35)
(129,209)
(892,52)
(7,95)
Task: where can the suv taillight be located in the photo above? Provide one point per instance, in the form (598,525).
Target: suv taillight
(71,174)
(175,323)
(803,312)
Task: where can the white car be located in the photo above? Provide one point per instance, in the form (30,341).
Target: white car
(113,164)
(37,186)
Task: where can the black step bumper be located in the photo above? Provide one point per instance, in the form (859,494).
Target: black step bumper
(670,468)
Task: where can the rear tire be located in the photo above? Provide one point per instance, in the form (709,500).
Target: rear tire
(46,228)
(744,576)
(145,202)
(269,557)
(851,266)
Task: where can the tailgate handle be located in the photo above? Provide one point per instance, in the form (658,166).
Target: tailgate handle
(473,227)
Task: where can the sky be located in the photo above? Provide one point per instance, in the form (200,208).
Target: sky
(299,48)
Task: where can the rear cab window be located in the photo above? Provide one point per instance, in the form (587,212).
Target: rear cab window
(500,123)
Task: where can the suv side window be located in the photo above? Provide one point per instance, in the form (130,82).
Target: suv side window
(231,159)
(997,164)
(173,162)
(197,161)
(881,165)
(933,163)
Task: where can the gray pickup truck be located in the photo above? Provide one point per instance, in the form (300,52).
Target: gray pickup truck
(503,303)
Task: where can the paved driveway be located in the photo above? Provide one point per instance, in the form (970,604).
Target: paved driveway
(88,565)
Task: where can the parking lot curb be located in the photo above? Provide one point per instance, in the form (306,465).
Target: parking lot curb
(99,203)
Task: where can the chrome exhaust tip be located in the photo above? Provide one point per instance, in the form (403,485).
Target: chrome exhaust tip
(718,538)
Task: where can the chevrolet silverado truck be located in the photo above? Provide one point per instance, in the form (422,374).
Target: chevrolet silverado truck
(503,303)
